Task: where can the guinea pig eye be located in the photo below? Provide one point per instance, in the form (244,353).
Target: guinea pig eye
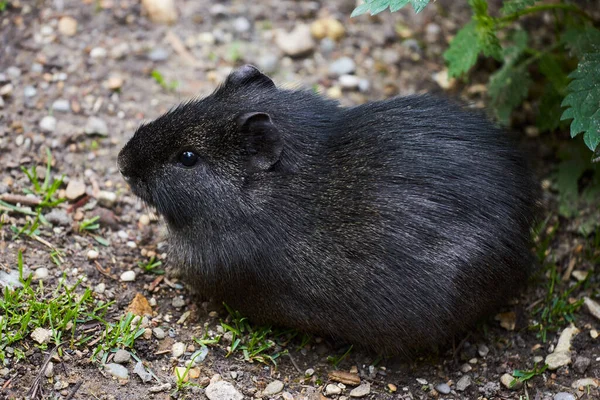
(188,158)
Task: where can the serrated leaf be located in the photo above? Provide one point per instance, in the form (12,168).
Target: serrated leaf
(376,6)
(463,51)
(553,71)
(583,100)
(419,5)
(508,87)
(581,40)
(397,5)
(512,6)
(360,10)
(486,29)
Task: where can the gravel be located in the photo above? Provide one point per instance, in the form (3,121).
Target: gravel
(463,383)
(273,388)
(59,216)
(342,66)
(443,388)
(222,390)
(128,276)
(122,356)
(48,124)
(117,370)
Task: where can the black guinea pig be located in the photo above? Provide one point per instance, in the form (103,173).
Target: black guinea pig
(392,225)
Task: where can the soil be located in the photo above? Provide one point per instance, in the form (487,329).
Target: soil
(104,70)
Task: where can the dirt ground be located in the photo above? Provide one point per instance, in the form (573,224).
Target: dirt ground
(78,76)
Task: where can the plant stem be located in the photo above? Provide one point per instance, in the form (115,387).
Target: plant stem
(545,7)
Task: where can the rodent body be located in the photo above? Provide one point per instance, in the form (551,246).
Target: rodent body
(392,224)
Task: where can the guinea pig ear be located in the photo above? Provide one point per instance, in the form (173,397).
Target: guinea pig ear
(249,74)
(262,140)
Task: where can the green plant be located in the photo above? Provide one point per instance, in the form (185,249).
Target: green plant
(48,188)
(25,308)
(3,5)
(152,266)
(525,375)
(576,49)
(336,360)
(158,77)
(89,224)
(120,335)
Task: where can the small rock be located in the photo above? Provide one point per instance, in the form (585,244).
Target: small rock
(327,28)
(592,307)
(199,355)
(465,368)
(296,43)
(160,388)
(161,11)
(159,333)
(98,52)
(117,370)
(144,375)
(158,54)
(144,220)
(241,25)
(442,79)
(181,373)
(593,334)
(508,320)
(332,389)
(585,383)
(61,105)
(342,66)
(59,216)
(29,91)
(361,391)
(463,383)
(334,92)
(268,63)
(309,372)
(6,90)
(563,396)
(579,275)
(581,364)
(128,276)
(1,102)
(432,32)
(422,381)
(222,390)
(13,72)
(96,126)
(510,382)
(178,302)
(349,81)
(114,83)
(327,46)
(40,274)
(178,349)
(75,189)
(106,198)
(48,124)
(41,335)
(49,372)
(344,377)
(443,388)
(147,335)
(120,50)
(100,288)
(67,26)
(483,350)
(562,353)
(538,359)
(122,356)
(92,254)
(273,388)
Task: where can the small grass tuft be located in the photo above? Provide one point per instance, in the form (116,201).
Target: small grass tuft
(525,375)
(89,224)
(336,360)
(120,335)
(151,266)
(160,79)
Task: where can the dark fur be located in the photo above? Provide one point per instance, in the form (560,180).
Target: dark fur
(392,225)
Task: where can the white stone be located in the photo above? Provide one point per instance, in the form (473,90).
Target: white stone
(331,390)
(48,124)
(92,254)
(40,273)
(41,335)
(222,390)
(178,349)
(128,276)
(273,388)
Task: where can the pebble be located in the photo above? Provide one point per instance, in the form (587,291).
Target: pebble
(29,91)
(178,302)
(442,79)
(49,371)
(222,390)
(41,335)
(158,54)
(58,216)
(562,353)
(140,371)
(507,381)
(331,390)
(98,52)
(1,102)
(581,364)
(273,388)
(349,81)
(100,288)
(309,372)
(268,63)
(483,350)
(177,349)
(161,11)
(563,396)
(296,43)
(48,123)
(67,26)
(181,373)
(159,333)
(579,275)
(119,51)
(327,46)
(432,32)
(327,28)
(199,355)
(342,66)
(114,83)
(160,388)
(61,105)
(122,356)
(144,220)
(592,307)
(117,370)
(96,126)
(361,391)
(6,90)
(128,276)
(463,383)
(241,25)
(106,198)
(13,72)
(92,254)
(538,359)
(40,274)
(585,383)
(75,189)
(443,388)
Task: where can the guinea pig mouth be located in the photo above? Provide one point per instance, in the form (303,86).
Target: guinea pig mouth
(140,189)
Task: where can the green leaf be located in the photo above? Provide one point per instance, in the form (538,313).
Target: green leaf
(486,29)
(583,100)
(508,87)
(553,71)
(376,6)
(463,51)
(512,6)
(582,39)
